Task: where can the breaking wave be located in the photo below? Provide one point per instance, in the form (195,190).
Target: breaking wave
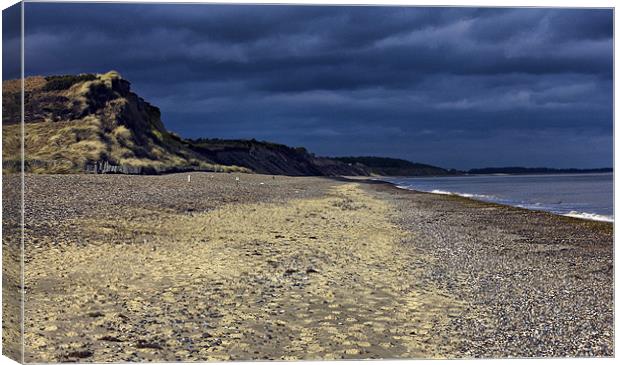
(464,195)
(590,216)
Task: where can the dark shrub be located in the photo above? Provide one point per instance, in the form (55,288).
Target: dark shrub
(65,81)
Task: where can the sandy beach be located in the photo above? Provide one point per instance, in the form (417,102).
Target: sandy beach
(145,268)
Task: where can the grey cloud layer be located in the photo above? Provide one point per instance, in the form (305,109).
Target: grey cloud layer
(406,82)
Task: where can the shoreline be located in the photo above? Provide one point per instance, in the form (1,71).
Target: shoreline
(573,214)
(156,268)
(483,204)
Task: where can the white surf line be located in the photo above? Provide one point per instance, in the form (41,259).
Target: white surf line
(572,214)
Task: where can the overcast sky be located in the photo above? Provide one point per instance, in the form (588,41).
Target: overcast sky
(455,87)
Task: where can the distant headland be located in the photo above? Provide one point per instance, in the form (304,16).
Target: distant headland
(535,170)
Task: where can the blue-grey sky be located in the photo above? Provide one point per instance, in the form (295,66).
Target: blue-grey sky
(455,87)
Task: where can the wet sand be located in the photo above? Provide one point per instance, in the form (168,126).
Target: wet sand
(135,268)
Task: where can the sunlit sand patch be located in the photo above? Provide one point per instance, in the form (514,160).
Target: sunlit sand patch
(316,278)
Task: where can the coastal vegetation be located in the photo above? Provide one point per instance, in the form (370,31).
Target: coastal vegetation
(396,167)
(64,82)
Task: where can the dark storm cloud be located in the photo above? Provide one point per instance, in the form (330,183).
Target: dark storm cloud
(11,45)
(439,85)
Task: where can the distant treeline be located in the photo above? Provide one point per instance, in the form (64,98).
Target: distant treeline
(395,167)
(536,170)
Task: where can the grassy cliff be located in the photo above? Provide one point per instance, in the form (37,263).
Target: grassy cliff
(76,121)
(87,122)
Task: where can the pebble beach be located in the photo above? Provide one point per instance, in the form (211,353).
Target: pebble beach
(248,267)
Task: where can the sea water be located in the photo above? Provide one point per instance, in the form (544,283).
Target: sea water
(588,196)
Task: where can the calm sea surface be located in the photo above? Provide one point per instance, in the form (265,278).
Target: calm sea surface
(588,196)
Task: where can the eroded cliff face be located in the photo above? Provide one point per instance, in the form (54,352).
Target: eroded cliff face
(95,123)
(272,158)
